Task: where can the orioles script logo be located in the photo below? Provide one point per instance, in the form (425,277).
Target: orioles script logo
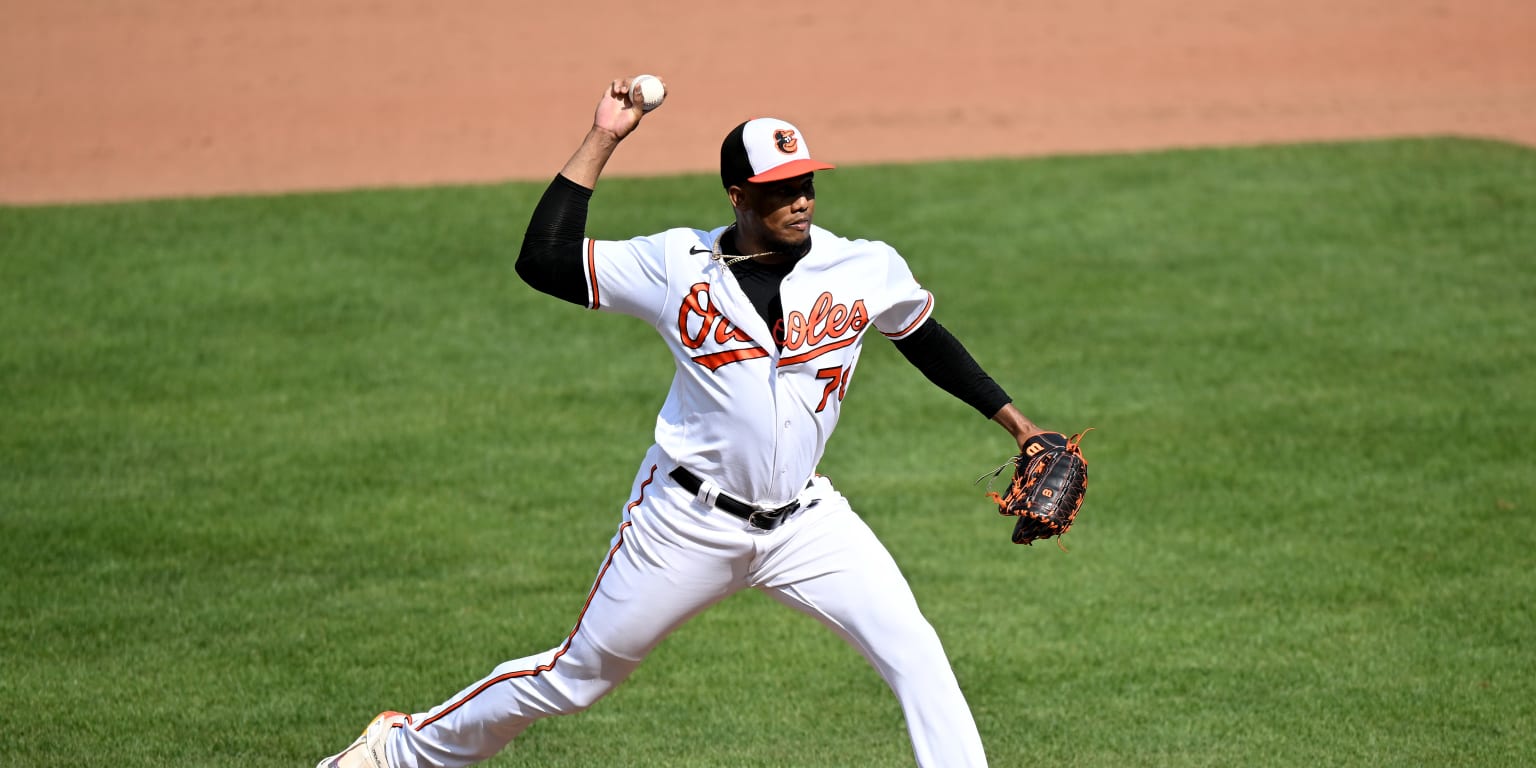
(826,320)
(699,321)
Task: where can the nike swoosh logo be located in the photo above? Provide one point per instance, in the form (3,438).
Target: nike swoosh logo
(697,250)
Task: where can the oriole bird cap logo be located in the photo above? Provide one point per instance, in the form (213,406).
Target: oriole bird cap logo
(786,140)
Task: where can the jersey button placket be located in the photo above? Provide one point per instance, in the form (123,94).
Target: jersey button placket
(788,425)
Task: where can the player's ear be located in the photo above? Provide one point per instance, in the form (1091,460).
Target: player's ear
(738,196)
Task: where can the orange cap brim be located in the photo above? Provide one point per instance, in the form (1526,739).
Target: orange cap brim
(790,170)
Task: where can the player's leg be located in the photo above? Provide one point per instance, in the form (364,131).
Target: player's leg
(831,566)
(659,573)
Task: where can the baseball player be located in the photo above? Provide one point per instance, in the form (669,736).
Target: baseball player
(765,319)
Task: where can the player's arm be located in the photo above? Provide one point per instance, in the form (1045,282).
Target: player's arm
(615,118)
(550,259)
(941,357)
(1011,419)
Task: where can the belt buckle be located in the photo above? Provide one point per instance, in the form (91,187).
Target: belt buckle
(769,519)
(762,520)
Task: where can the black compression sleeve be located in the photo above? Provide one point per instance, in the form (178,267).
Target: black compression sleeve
(550,259)
(944,360)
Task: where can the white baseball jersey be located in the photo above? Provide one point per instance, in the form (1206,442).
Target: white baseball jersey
(741,412)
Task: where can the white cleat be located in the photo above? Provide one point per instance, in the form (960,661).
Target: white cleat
(368,750)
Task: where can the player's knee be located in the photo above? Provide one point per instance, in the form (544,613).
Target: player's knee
(589,692)
(572,694)
(582,684)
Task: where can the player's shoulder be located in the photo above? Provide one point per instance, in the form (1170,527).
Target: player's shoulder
(693,233)
(837,246)
(689,241)
(677,243)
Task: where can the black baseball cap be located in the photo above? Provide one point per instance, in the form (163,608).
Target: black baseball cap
(765,149)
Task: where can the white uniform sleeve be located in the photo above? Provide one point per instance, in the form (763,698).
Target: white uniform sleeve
(907,303)
(628,276)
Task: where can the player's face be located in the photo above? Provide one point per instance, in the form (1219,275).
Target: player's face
(776,214)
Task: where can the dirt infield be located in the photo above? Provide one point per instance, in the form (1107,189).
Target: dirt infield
(153,98)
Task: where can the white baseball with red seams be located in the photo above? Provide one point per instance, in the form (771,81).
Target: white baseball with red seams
(652,91)
(752,420)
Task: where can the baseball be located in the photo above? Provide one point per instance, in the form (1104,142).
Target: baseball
(648,90)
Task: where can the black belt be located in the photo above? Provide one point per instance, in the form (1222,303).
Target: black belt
(766,519)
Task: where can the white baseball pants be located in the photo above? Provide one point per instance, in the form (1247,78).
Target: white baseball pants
(673,557)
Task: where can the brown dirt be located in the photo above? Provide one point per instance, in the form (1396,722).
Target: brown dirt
(152,98)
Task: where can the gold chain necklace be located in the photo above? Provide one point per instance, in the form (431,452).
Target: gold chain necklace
(734,259)
(745,256)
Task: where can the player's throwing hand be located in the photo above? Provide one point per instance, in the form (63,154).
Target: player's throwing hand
(618,113)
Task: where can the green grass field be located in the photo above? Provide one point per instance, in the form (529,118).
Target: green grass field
(271,465)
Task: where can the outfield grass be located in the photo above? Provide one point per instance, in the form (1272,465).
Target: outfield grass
(271,465)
